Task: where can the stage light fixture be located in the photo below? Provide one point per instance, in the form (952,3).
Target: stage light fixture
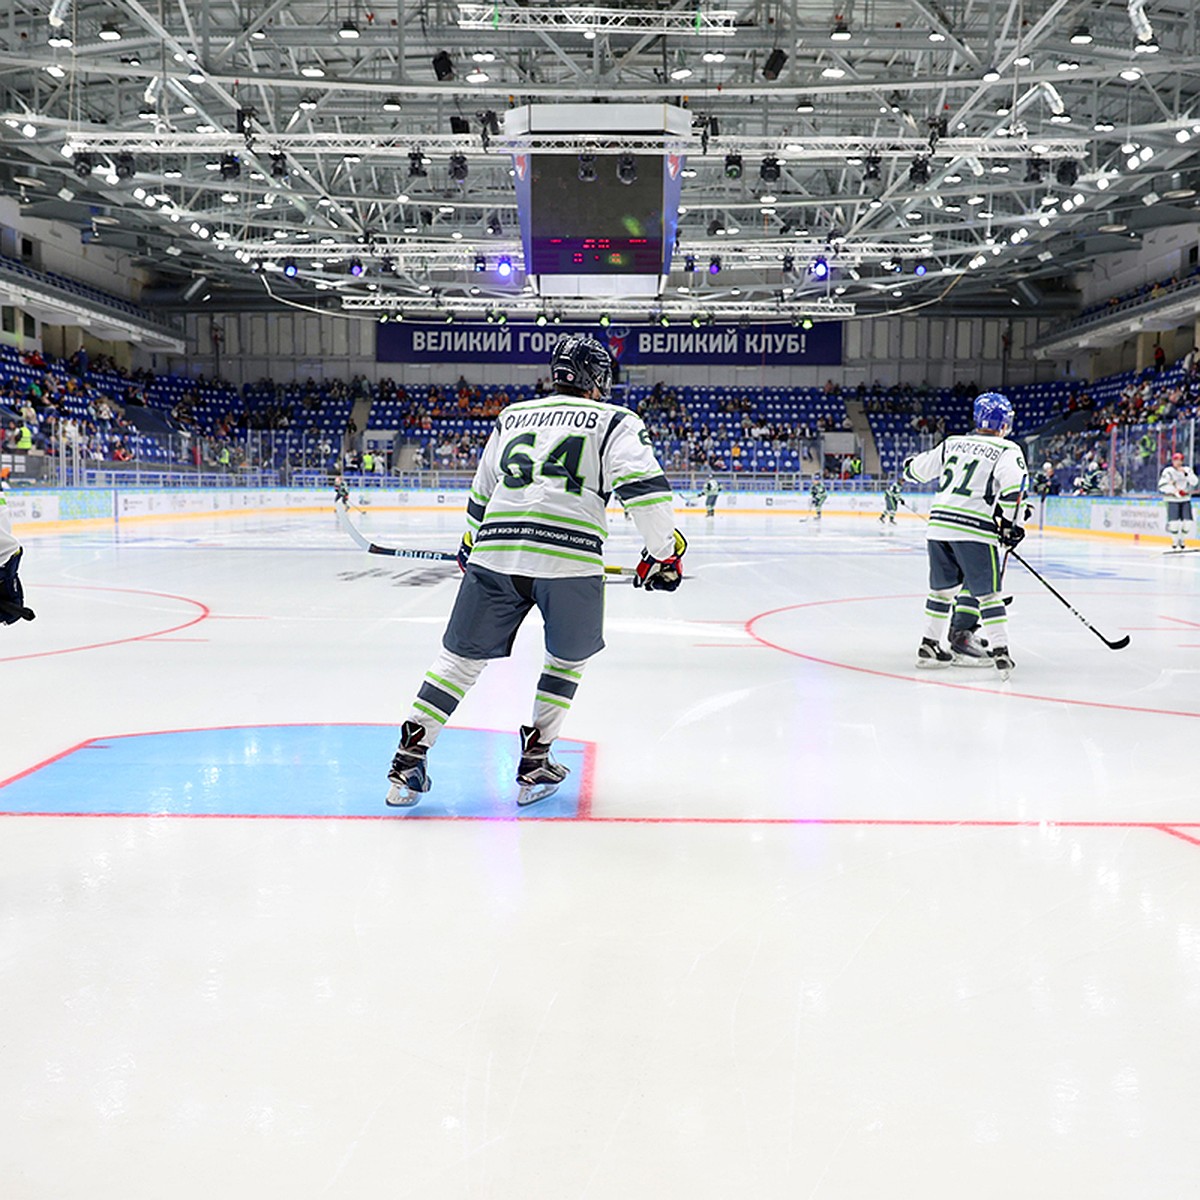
(125,167)
(279,166)
(1067,172)
(918,172)
(504,267)
(714,265)
(769,171)
(84,165)
(689,264)
(871,168)
(443,66)
(920,269)
(627,169)
(459,125)
(789,264)
(480,263)
(290,269)
(231,167)
(416,164)
(356,267)
(733,166)
(587,168)
(458,167)
(541,319)
(774,65)
(605,320)
(819,268)
(807,323)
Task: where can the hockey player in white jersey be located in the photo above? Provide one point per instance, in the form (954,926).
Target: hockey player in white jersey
(981,482)
(12,594)
(535,537)
(1177,483)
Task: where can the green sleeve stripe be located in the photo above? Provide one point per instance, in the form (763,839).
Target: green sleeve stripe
(479,496)
(450,687)
(667,499)
(492,547)
(545,516)
(636,475)
(431,713)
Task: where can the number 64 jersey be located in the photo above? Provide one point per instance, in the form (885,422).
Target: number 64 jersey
(538,497)
(980,476)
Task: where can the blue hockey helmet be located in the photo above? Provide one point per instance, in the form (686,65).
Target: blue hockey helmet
(993,411)
(580,362)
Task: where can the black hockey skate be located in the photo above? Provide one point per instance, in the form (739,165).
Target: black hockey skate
(1002,660)
(537,773)
(931,654)
(969,649)
(408,776)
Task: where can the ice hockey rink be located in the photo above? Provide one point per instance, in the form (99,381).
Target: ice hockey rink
(807,922)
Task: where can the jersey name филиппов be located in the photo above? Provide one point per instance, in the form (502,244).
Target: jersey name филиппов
(538,497)
(978,475)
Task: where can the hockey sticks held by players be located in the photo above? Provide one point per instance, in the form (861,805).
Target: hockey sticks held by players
(371,547)
(1119,644)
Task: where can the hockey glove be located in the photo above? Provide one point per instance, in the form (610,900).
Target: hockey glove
(1010,535)
(464,551)
(661,575)
(12,595)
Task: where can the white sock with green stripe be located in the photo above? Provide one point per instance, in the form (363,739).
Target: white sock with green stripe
(937,614)
(556,689)
(994,618)
(444,685)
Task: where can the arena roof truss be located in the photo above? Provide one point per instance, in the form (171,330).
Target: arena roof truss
(988,145)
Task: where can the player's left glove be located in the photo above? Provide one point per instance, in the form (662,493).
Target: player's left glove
(1010,534)
(464,551)
(12,594)
(661,575)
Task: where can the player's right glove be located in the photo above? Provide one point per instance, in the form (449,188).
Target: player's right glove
(12,595)
(1010,534)
(661,575)
(464,551)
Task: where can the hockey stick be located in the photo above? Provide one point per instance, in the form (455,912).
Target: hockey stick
(1119,644)
(435,555)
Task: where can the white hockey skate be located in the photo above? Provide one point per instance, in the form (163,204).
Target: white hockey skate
(408,778)
(537,773)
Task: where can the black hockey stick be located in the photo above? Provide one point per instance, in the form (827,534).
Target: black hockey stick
(435,555)
(1119,644)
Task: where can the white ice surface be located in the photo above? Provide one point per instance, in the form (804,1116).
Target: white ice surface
(838,928)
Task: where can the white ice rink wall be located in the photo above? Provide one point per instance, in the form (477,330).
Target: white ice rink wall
(67,510)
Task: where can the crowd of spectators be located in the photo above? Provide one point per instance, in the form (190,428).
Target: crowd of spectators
(1145,291)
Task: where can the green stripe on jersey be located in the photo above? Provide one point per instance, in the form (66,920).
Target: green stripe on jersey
(545,516)
(664,499)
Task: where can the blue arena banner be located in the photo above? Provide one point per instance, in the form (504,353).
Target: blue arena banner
(774,345)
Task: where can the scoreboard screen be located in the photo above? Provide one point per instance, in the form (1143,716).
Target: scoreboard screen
(600,227)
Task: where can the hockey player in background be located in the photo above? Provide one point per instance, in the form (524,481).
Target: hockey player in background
(891,502)
(818,495)
(535,537)
(12,594)
(976,510)
(1177,483)
(712,489)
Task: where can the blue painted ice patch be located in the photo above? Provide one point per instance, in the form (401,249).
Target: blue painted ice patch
(285,771)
